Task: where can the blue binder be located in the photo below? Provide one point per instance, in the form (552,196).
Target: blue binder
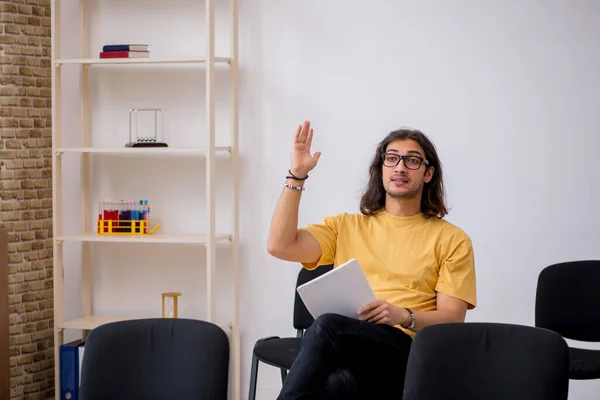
(70,361)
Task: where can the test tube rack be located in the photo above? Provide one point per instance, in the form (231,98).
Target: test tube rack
(125,227)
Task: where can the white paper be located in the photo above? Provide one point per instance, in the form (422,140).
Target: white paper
(343,290)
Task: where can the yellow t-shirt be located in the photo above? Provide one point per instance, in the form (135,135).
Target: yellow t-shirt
(407,260)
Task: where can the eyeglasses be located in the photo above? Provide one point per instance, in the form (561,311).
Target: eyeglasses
(411,162)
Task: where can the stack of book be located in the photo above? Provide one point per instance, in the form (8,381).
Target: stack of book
(125,51)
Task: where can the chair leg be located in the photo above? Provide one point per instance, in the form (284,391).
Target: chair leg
(283,375)
(253,378)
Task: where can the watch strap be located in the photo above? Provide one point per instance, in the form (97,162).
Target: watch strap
(412,319)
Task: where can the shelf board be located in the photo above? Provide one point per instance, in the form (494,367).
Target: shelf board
(149,60)
(197,238)
(89,323)
(94,321)
(149,151)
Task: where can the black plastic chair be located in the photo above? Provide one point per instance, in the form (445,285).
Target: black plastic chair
(491,361)
(159,358)
(567,302)
(281,352)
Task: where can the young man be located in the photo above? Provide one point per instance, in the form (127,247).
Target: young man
(420,266)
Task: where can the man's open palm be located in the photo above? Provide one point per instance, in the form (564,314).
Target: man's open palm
(302,160)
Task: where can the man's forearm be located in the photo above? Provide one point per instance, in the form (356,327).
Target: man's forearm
(426,318)
(284,223)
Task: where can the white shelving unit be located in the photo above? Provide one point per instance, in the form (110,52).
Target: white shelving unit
(206,64)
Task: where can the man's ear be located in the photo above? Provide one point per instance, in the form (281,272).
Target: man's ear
(429,174)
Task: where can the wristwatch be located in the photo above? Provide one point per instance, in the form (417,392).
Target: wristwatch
(412,319)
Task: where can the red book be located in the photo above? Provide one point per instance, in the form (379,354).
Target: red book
(124,54)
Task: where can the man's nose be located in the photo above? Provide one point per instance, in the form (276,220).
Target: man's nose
(400,167)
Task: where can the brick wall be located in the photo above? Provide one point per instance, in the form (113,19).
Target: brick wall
(26,191)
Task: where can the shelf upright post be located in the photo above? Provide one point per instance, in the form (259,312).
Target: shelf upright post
(235,173)
(86,289)
(210,158)
(57,247)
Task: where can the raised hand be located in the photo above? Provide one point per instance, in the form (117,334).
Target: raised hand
(302,160)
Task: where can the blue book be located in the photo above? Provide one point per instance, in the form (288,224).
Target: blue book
(71,355)
(125,47)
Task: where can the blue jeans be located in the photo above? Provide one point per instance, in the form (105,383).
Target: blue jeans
(345,358)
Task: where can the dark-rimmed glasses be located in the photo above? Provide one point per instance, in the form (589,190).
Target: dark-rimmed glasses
(410,161)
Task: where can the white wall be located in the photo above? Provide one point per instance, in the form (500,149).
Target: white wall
(508,91)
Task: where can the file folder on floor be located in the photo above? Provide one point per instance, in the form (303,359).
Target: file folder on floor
(71,355)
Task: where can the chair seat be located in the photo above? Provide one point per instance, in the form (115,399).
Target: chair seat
(279,352)
(585,363)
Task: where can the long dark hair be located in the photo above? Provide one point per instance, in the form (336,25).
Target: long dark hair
(433,199)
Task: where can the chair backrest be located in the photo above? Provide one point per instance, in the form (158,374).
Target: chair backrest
(159,358)
(302,318)
(567,296)
(492,361)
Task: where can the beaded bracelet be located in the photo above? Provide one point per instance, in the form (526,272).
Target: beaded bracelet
(287,185)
